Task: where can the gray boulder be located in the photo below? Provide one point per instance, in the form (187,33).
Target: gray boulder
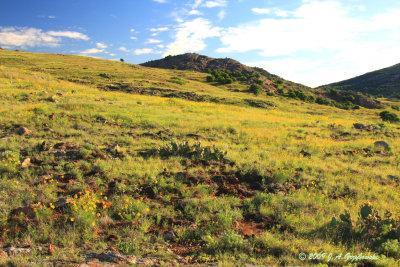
(382,145)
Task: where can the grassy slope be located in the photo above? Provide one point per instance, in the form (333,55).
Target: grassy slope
(385,81)
(262,142)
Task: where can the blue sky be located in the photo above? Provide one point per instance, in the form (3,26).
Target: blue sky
(313,42)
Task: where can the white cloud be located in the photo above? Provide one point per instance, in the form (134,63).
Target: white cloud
(133,38)
(123,48)
(92,51)
(190,36)
(153,41)
(160,46)
(68,34)
(261,10)
(222,14)
(320,42)
(194,12)
(132,30)
(101,45)
(143,51)
(160,1)
(112,54)
(51,17)
(215,3)
(196,3)
(33,37)
(161,29)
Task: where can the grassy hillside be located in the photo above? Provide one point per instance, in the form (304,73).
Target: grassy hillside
(180,179)
(385,82)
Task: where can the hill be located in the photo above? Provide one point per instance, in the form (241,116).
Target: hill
(98,167)
(226,70)
(193,61)
(384,82)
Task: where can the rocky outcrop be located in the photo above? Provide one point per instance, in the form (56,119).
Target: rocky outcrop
(196,62)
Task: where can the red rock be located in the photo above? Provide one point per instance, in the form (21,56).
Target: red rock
(26,162)
(23,131)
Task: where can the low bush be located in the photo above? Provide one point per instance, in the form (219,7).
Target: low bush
(389,116)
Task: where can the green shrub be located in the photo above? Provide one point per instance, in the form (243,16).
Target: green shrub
(255,89)
(389,116)
(396,108)
(228,241)
(378,233)
(322,101)
(210,78)
(195,151)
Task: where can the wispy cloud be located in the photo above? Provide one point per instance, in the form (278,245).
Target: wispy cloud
(101,45)
(153,41)
(221,14)
(143,51)
(215,3)
(68,34)
(123,49)
(92,51)
(190,36)
(160,1)
(261,10)
(194,12)
(161,29)
(33,37)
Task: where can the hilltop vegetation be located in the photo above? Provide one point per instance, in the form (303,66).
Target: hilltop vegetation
(227,71)
(162,165)
(384,82)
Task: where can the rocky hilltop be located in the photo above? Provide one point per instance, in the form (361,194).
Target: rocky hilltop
(193,61)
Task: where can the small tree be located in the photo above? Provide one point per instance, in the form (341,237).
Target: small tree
(210,79)
(122,60)
(255,89)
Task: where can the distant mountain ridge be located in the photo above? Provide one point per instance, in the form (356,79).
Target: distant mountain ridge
(385,82)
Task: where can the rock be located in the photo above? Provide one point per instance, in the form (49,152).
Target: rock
(12,251)
(382,144)
(52,116)
(305,154)
(44,146)
(360,126)
(169,236)
(53,99)
(62,202)
(78,127)
(394,178)
(228,161)
(24,131)
(52,249)
(26,162)
(111,256)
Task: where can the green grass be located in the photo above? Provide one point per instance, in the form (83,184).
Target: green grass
(261,203)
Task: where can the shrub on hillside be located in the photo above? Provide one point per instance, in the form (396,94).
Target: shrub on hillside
(389,116)
(255,89)
(380,233)
(322,101)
